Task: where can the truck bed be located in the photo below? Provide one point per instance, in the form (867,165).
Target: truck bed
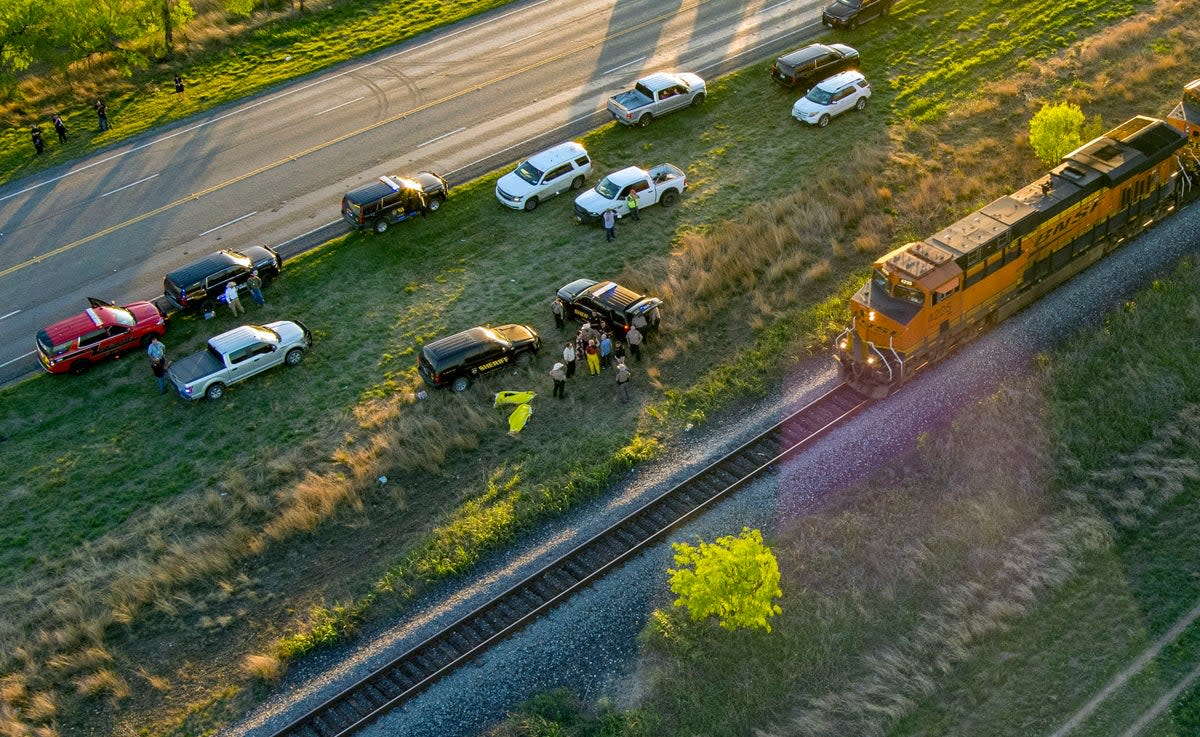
(193,367)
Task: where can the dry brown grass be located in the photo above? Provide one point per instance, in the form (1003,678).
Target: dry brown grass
(104,681)
(265,668)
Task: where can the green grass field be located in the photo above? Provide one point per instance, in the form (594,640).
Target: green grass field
(255,527)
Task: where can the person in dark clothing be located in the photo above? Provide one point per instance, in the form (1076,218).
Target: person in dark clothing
(178,85)
(102,115)
(35,133)
(610,222)
(60,128)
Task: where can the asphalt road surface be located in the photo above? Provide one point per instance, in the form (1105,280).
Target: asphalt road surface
(271,170)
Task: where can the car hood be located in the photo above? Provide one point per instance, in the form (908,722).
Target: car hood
(839,11)
(290,333)
(694,82)
(593,202)
(514,185)
(805,105)
(145,312)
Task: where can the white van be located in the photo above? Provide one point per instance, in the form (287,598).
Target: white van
(544,175)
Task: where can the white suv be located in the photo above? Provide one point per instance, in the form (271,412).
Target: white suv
(544,175)
(834,96)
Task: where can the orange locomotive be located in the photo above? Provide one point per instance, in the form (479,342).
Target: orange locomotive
(926,297)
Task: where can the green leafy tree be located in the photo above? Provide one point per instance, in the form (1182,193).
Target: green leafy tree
(1055,131)
(735,579)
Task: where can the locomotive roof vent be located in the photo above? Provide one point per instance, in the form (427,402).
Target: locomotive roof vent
(1076,174)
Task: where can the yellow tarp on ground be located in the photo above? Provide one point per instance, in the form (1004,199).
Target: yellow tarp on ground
(513,398)
(517,420)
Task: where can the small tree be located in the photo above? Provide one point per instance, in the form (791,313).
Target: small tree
(1055,131)
(735,579)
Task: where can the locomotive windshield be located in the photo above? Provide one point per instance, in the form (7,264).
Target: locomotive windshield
(898,291)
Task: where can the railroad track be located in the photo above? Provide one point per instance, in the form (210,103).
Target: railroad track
(462,641)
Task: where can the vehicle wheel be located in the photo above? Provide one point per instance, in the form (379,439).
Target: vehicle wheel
(645,120)
(523,359)
(215,391)
(81,367)
(861,104)
(145,341)
(460,384)
(577,182)
(669,198)
(824,121)
(381,225)
(698,100)
(885,10)
(435,203)
(267,277)
(208,305)
(294,356)
(852,24)
(531,204)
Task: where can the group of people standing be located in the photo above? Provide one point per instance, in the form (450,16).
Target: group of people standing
(35,131)
(597,349)
(230,296)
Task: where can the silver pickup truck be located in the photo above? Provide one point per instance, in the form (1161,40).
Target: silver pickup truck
(239,354)
(656,95)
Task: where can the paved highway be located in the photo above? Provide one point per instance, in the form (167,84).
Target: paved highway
(271,170)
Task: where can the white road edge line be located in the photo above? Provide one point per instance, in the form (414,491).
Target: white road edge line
(273,98)
(18,358)
(127,186)
(444,135)
(231,222)
(4,317)
(335,107)
(1132,670)
(626,64)
(772,7)
(314,230)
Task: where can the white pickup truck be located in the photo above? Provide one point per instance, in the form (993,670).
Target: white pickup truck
(661,185)
(238,354)
(656,95)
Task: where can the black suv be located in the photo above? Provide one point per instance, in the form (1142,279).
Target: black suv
(198,285)
(457,359)
(811,64)
(393,199)
(608,303)
(852,13)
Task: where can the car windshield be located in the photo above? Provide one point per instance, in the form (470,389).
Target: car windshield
(119,315)
(608,189)
(265,334)
(529,173)
(819,96)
